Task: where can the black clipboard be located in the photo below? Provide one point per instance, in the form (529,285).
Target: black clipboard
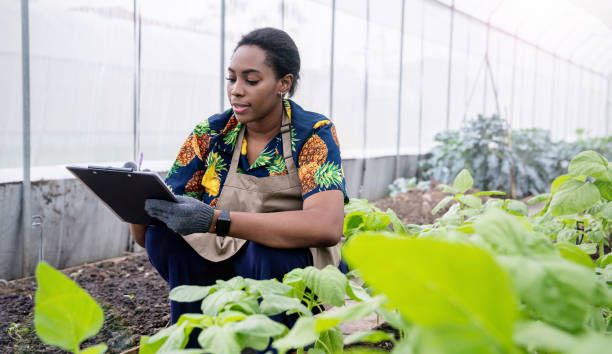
(124,190)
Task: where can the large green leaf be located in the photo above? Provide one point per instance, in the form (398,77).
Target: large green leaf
(471,201)
(189,293)
(554,290)
(606,212)
(329,284)
(259,326)
(575,254)
(502,232)
(436,283)
(543,337)
(558,182)
(457,339)
(463,181)
(177,339)
(605,189)
(349,313)
(516,207)
(214,302)
(589,163)
(219,340)
(267,286)
(302,334)
(574,197)
(273,304)
(330,341)
(64,314)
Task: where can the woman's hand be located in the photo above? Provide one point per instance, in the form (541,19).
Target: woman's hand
(186,217)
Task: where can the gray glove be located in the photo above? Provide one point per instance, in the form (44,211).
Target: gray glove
(187,216)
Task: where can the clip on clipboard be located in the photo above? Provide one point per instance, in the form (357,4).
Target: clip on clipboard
(124,190)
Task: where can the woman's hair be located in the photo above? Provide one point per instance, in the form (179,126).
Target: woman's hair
(282,54)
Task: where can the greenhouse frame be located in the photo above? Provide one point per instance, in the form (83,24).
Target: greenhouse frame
(102,81)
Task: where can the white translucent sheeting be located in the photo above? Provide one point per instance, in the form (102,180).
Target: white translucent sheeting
(411,110)
(349,76)
(435,71)
(309,23)
(383,78)
(10,89)
(243,16)
(180,72)
(82,91)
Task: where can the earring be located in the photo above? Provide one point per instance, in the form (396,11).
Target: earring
(281,93)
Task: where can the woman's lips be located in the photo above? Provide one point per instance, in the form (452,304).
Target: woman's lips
(239,108)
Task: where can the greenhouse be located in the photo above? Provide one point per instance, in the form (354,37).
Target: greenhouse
(439,179)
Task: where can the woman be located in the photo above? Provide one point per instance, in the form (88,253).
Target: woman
(260,186)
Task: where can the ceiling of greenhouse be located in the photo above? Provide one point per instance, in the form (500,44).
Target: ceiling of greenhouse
(580,30)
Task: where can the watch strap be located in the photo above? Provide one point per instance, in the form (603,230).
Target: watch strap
(222,225)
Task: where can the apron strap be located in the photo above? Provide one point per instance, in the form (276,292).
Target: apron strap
(236,153)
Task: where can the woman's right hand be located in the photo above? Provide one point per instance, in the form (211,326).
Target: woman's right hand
(138,233)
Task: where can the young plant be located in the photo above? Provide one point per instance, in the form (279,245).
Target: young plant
(64,314)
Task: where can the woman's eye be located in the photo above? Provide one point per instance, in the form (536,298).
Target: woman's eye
(252,83)
(230,79)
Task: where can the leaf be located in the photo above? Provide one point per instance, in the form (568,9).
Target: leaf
(398,227)
(539,198)
(329,284)
(463,181)
(588,248)
(219,340)
(350,313)
(302,334)
(360,205)
(589,163)
(543,337)
(575,254)
(456,339)
(96,349)
(441,204)
(488,193)
(553,289)
(605,189)
(64,314)
(438,283)
(147,347)
(259,326)
(503,232)
(574,197)
(516,207)
(368,337)
(267,287)
(214,302)
(330,341)
(556,184)
(602,262)
(447,189)
(606,212)
(273,304)
(177,338)
(189,293)
(471,201)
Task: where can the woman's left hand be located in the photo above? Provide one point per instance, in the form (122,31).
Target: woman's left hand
(186,217)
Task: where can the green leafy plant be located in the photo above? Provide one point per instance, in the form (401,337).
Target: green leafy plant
(64,314)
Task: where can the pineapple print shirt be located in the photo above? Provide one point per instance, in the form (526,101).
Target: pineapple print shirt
(203,161)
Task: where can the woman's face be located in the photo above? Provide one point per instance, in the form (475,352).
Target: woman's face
(252,87)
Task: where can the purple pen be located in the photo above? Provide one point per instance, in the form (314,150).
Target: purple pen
(140,156)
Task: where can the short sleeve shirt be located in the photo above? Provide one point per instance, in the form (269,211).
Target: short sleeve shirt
(202,163)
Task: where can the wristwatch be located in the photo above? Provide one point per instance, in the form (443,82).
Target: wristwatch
(223,223)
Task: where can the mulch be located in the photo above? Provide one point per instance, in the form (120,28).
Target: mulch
(135,298)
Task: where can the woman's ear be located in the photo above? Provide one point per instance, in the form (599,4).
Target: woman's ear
(286,82)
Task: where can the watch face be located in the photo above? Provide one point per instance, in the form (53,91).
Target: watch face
(223,223)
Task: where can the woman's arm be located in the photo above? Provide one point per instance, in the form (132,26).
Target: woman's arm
(138,233)
(319,224)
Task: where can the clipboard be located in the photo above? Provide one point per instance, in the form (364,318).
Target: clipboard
(124,190)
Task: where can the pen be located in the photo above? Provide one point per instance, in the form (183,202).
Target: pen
(140,160)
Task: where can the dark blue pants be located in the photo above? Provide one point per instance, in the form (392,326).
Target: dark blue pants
(179,264)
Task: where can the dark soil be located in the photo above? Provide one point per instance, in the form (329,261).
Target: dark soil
(135,298)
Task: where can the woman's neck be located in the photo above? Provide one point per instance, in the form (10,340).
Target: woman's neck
(266,128)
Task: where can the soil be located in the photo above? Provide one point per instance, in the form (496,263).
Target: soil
(135,298)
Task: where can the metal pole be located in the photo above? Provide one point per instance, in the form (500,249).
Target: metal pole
(331,70)
(552,94)
(222,59)
(26,195)
(535,89)
(137,53)
(399,95)
(484,91)
(421,72)
(467,70)
(365,103)
(513,82)
(283,14)
(450,64)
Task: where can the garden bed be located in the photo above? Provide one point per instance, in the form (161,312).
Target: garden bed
(134,296)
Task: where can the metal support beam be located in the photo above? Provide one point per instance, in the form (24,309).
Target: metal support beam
(26,195)
(400,94)
(137,61)
(365,104)
(450,64)
(331,60)
(222,59)
(421,80)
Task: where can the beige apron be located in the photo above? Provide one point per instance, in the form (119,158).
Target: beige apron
(252,194)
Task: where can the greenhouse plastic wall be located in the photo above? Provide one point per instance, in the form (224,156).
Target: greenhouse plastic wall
(110,79)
